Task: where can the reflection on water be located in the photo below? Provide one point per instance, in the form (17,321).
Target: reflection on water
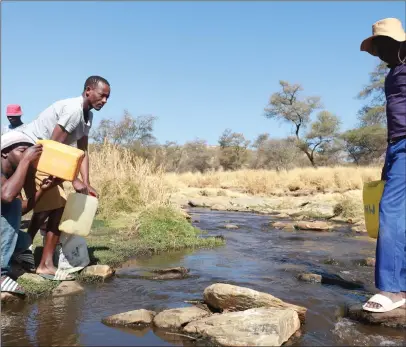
(255,256)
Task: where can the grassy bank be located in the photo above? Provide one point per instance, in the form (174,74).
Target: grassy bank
(155,230)
(134,215)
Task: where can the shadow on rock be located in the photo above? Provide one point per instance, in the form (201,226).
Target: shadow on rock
(330,279)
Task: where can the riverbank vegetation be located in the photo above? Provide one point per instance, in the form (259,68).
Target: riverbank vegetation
(136,176)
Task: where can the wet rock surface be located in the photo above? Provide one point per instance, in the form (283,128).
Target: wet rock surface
(367,262)
(254,327)
(101,271)
(330,279)
(178,317)
(288,226)
(170,273)
(231,226)
(221,296)
(309,277)
(313,226)
(173,273)
(7,297)
(395,318)
(131,318)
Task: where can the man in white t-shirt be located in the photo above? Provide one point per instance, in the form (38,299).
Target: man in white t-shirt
(67,121)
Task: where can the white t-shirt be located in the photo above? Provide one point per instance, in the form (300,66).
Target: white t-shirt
(7,128)
(68,113)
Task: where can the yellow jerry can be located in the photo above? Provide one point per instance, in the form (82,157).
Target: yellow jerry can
(60,160)
(371,195)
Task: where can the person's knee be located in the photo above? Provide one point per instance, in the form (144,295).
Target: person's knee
(12,213)
(54,220)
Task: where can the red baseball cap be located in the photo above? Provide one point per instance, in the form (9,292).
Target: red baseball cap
(13,110)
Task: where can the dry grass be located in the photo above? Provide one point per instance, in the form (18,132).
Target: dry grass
(349,206)
(126,183)
(267,182)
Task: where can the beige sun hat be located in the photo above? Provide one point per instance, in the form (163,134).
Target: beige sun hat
(12,138)
(389,27)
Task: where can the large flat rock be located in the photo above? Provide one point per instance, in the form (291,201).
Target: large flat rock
(101,271)
(131,318)
(395,318)
(176,318)
(221,296)
(7,297)
(254,327)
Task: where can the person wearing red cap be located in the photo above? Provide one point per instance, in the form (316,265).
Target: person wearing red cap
(13,113)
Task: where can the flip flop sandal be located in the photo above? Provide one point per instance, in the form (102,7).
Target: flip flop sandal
(11,286)
(386,304)
(60,275)
(74,269)
(26,260)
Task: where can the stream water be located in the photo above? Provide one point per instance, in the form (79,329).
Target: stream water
(255,256)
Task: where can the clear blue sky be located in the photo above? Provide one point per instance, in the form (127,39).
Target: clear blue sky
(200,67)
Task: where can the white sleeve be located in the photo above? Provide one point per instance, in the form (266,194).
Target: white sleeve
(69,118)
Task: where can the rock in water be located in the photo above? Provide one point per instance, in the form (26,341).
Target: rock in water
(103,271)
(368,262)
(309,277)
(283,226)
(178,317)
(395,318)
(181,270)
(330,279)
(228,297)
(130,318)
(170,273)
(314,226)
(67,288)
(231,226)
(254,327)
(7,297)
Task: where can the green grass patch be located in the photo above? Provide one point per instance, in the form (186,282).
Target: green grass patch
(154,230)
(37,289)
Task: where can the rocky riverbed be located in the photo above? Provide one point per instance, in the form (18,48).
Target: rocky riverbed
(327,273)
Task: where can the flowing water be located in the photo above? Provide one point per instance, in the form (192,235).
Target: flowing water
(255,256)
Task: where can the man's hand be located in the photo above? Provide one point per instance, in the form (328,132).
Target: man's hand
(92,191)
(32,154)
(80,187)
(50,182)
(84,188)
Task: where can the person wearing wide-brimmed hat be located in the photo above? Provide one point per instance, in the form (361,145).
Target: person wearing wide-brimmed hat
(13,114)
(388,42)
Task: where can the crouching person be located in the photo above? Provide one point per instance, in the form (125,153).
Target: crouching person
(18,153)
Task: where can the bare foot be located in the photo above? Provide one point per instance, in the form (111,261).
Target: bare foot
(46,270)
(395,297)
